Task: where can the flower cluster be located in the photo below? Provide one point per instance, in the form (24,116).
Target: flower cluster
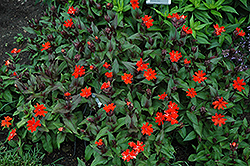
(86,92)
(6,121)
(147,129)
(109,107)
(32,124)
(137,148)
(199,76)
(39,110)
(147,21)
(79,71)
(175,56)
(218,119)
(218,29)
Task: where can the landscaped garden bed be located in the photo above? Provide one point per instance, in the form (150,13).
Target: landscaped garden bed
(126,83)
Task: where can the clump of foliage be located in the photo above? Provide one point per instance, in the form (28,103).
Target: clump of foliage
(131,81)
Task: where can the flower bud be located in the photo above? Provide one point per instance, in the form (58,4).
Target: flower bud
(109,6)
(90,18)
(194,49)
(98,5)
(164,52)
(77,58)
(90,120)
(203,110)
(150,41)
(50,37)
(107,30)
(193,108)
(214,140)
(107,18)
(84,2)
(52,8)
(91,2)
(45,14)
(90,30)
(149,92)
(36,21)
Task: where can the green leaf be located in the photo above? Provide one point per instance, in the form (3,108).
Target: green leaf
(88,152)
(202,40)
(228,9)
(190,136)
(216,13)
(244,2)
(70,125)
(7,95)
(80,162)
(101,133)
(245,122)
(29,29)
(60,138)
(99,160)
(192,117)
(47,142)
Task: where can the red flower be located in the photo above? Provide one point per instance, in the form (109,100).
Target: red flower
(171,114)
(186,30)
(159,118)
(127,78)
(71,10)
(6,121)
(162,96)
(109,74)
(191,92)
(39,110)
(149,74)
(240,33)
(134,4)
(109,107)
(79,71)
(61,129)
(186,61)
(147,129)
(32,124)
(218,119)
(68,23)
(199,76)
(141,65)
(46,46)
(86,92)
(127,155)
(99,143)
(220,104)
(106,65)
(139,147)
(91,67)
(218,29)
(14,74)
(105,85)
(12,134)
(15,51)
(173,106)
(175,15)
(175,56)
(67,94)
(238,84)
(7,62)
(146,20)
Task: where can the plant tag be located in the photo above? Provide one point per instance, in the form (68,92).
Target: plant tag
(159,2)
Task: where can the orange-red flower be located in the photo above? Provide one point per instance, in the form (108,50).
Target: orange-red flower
(109,107)
(220,104)
(45,46)
(67,94)
(218,29)
(91,67)
(186,30)
(186,61)
(6,121)
(79,71)
(159,118)
(109,74)
(134,4)
(149,74)
(240,33)
(191,92)
(162,96)
(71,10)
(146,20)
(7,62)
(60,128)
(14,74)
(127,78)
(106,65)
(12,134)
(218,119)
(86,92)
(105,85)
(15,51)
(171,114)
(238,84)
(127,155)
(99,143)
(139,147)
(68,23)
(141,65)
(175,56)
(147,129)
(199,76)
(175,15)
(39,110)
(32,124)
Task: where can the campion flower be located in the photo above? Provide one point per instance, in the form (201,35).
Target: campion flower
(218,29)
(15,51)
(109,74)
(162,96)
(147,21)
(45,46)
(147,129)
(67,94)
(79,71)
(175,56)
(199,76)
(7,63)
(127,78)
(106,65)
(71,10)
(139,147)
(14,74)
(141,65)
(68,23)
(127,155)
(99,143)
(91,67)
(86,92)
(134,4)
(149,74)
(39,110)
(191,92)
(220,104)
(109,107)
(12,134)
(218,119)
(185,29)
(159,118)
(238,84)
(60,129)
(105,85)
(175,15)
(186,61)
(32,124)
(6,121)
(171,113)
(240,33)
